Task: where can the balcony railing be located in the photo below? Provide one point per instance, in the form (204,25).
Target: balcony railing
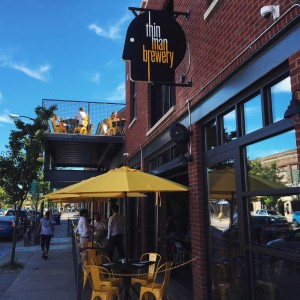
(98,117)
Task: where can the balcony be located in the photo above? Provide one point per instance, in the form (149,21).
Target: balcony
(76,152)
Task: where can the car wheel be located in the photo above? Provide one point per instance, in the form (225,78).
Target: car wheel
(295,224)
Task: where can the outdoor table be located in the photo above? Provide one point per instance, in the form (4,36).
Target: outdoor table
(73,123)
(127,268)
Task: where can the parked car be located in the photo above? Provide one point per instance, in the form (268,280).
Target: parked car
(2,212)
(23,216)
(7,225)
(296,218)
(263,229)
(291,242)
(270,212)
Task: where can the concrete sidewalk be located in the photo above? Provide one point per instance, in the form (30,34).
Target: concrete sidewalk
(43,279)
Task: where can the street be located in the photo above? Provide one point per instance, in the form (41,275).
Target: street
(6,244)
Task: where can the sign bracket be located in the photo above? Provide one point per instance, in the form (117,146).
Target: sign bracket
(175,13)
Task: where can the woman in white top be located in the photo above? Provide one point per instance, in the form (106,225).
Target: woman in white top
(46,227)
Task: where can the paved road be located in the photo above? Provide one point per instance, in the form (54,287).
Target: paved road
(6,244)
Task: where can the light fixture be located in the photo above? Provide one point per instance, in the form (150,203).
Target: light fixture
(14,116)
(293,110)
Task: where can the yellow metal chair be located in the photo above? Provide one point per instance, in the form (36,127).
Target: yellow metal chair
(86,260)
(143,280)
(99,289)
(82,129)
(90,128)
(158,290)
(57,128)
(99,260)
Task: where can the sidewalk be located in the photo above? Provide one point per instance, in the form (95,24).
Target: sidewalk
(54,279)
(42,279)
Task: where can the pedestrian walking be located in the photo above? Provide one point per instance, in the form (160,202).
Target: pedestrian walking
(116,226)
(46,228)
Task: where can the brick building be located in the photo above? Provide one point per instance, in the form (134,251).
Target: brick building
(243,68)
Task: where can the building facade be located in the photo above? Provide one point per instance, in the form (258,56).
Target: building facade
(244,69)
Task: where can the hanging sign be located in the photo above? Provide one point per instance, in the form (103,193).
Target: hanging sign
(155,45)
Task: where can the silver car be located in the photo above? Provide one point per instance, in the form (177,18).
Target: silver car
(270,212)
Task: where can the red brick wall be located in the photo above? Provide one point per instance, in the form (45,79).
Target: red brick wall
(214,45)
(198,218)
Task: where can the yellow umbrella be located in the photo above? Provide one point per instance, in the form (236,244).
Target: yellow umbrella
(125,180)
(64,190)
(74,198)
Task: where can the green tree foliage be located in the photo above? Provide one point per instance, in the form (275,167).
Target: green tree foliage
(4,198)
(270,172)
(22,162)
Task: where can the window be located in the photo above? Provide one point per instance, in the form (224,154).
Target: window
(229,127)
(266,160)
(133,100)
(281,95)
(162,99)
(269,103)
(252,114)
(211,135)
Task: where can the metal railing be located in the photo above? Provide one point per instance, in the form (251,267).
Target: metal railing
(98,112)
(76,259)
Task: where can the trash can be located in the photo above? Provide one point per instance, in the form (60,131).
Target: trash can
(56,219)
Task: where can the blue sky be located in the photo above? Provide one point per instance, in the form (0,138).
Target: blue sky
(60,49)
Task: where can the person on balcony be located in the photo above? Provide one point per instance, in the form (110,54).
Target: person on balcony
(81,115)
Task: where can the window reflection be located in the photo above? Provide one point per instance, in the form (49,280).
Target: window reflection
(224,230)
(268,159)
(275,278)
(281,96)
(211,135)
(253,114)
(229,127)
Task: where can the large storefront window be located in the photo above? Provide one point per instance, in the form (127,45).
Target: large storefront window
(253,196)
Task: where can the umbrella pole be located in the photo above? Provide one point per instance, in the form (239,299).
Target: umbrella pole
(126,227)
(93,224)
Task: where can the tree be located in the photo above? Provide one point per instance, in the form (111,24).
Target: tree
(22,162)
(4,198)
(269,172)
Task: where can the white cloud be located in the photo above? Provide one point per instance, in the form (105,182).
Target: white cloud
(95,78)
(4,117)
(118,94)
(40,73)
(283,86)
(112,32)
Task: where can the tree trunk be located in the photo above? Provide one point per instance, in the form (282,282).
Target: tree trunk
(13,250)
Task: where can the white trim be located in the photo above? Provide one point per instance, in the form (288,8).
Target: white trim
(210,8)
(165,116)
(132,122)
